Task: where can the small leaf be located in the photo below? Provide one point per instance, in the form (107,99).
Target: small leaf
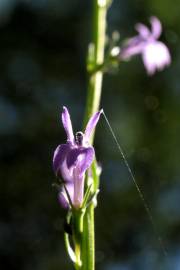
(93,198)
(69,249)
(68,196)
(86,196)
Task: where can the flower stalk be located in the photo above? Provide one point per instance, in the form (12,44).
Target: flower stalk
(95,58)
(70,163)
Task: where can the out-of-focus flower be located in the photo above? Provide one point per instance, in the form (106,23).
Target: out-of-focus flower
(71,160)
(155,54)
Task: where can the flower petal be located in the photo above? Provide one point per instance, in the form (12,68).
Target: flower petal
(78,187)
(156,56)
(59,155)
(132,47)
(142,30)
(62,196)
(59,162)
(81,158)
(72,157)
(92,124)
(85,160)
(156,27)
(66,120)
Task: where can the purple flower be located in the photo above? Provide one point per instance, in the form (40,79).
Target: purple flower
(154,53)
(71,160)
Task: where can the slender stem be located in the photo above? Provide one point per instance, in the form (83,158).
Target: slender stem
(93,102)
(78,216)
(97,58)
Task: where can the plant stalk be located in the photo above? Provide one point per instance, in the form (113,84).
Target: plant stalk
(95,58)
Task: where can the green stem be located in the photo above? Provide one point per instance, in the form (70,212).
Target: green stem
(93,101)
(78,216)
(97,58)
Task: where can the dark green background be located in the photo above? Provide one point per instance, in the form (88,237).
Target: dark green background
(43,46)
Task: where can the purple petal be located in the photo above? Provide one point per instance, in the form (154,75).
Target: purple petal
(63,200)
(156,56)
(142,30)
(133,47)
(156,27)
(66,120)
(62,197)
(59,162)
(92,124)
(59,156)
(85,159)
(72,157)
(80,157)
(78,187)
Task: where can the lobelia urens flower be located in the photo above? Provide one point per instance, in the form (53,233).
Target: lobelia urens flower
(72,159)
(154,53)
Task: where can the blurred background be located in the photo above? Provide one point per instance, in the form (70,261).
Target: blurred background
(43,46)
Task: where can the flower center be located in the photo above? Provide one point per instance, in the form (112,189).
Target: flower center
(79,138)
